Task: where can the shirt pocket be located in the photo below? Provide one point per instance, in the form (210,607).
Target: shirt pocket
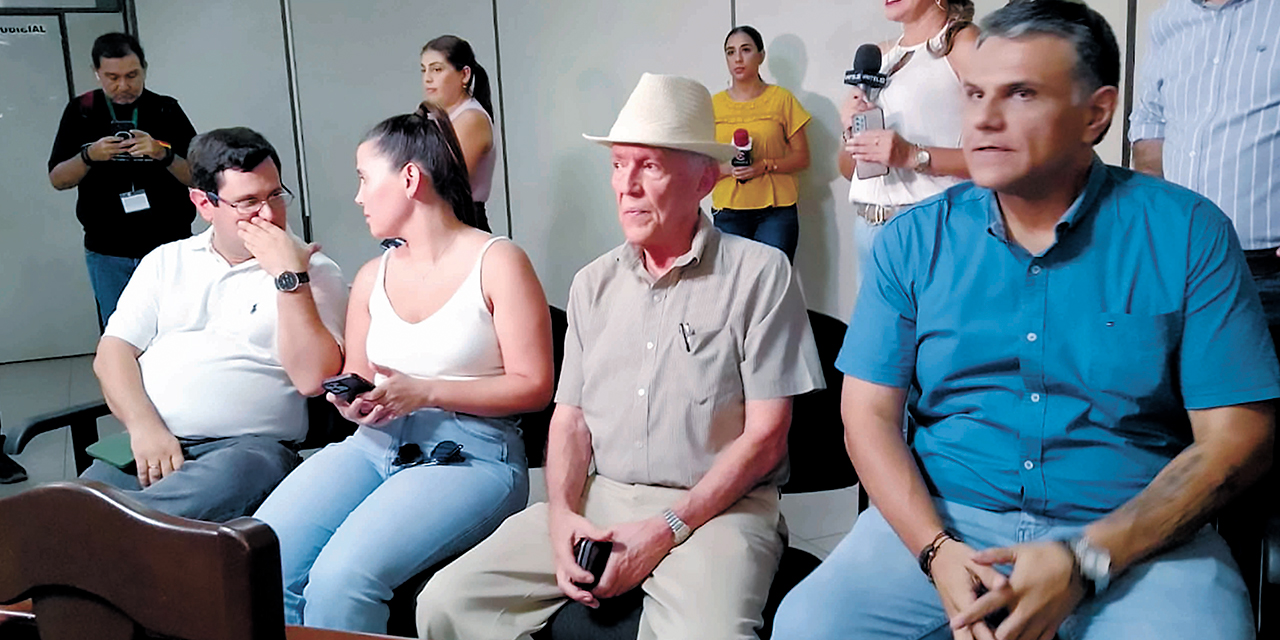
(1132,355)
(707,362)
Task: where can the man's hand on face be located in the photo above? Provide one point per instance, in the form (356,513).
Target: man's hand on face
(277,250)
(156,452)
(638,547)
(142,145)
(1042,591)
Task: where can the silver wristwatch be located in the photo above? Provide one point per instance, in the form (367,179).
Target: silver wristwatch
(924,160)
(1094,563)
(289,281)
(678,528)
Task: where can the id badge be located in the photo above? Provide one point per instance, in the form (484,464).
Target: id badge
(135,201)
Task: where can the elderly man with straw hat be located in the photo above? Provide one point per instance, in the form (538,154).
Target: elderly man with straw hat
(669,437)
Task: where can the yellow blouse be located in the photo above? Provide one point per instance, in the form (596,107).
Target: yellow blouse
(771,119)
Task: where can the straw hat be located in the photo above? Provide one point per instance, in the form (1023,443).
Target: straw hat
(671,112)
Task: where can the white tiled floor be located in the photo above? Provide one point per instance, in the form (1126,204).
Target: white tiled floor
(817,521)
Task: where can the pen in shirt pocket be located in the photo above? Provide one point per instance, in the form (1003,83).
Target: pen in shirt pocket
(685,332)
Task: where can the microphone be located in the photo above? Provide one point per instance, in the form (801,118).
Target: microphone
(866,75)
(741,142)
(866,71)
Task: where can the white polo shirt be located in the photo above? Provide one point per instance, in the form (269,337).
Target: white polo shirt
(208,334)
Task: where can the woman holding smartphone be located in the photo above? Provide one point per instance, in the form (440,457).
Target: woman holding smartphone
(453,80)
(922,103)
(758,200)
(453,327)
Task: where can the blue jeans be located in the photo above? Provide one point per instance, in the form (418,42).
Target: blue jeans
(353,525)
(871,587)
(222,478)
(108,275)
(775,226)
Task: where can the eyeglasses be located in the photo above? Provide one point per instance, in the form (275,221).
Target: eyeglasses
(250,206)
(446,452)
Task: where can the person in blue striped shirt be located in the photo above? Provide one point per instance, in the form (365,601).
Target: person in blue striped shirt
(1086,370)
(1207,117)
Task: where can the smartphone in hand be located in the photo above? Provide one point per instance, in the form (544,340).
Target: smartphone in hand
(347,386)
(592,555)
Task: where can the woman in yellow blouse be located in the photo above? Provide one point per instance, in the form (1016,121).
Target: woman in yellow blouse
(759,201)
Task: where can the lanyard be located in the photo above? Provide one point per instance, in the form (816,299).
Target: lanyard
(112,111)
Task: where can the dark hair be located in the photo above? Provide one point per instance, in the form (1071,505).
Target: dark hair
(117,45)
(426,138)
(1097,52)
(959,16)
(236,148)
(460,54)
(751,33)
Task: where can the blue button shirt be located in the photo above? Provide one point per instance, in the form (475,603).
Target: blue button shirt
(1059,384)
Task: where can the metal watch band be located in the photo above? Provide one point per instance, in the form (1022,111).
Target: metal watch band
(678,527)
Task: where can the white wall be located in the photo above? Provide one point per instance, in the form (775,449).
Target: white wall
(568,72)
(358,64)
(224,62)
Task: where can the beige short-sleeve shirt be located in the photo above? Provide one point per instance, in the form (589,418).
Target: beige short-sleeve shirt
(662,368)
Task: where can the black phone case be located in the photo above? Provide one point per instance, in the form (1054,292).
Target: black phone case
(347,387)
(592,555)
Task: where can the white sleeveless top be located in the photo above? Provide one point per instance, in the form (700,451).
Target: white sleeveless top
(482,181)
(457,342)
(922,102)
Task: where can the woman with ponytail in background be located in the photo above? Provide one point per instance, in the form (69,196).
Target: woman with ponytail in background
(453,80)
(920,142)
(455,351)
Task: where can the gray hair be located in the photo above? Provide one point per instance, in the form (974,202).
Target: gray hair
(1097,53)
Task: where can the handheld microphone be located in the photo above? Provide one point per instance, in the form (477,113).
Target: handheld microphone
(741,142)
(866,75)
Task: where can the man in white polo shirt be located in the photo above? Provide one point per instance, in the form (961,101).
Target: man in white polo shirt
(217,339)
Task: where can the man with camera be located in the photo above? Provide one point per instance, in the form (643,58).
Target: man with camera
(125,148)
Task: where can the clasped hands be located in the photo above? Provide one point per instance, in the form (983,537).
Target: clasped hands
(1038,595)
(638,547)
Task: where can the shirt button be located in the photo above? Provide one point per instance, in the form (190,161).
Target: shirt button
(657,298)
(640,392)
(638,444)
(1035,271)
(1035,397)
(1028,465)
(1192,154)
(648,345)
(1031,337)
(1216,59)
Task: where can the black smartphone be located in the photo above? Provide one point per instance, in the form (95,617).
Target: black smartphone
(122,129)
(347,386)
(592,555)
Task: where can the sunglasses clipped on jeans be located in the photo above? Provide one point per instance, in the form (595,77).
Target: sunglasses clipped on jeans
(446,452)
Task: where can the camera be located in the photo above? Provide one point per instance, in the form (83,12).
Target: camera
(122,129)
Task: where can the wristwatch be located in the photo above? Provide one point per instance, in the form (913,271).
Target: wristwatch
(1094,564)
(678,527)
(923,159)
(291,280)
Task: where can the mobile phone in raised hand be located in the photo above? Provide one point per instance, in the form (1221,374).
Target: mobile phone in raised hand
(347,386)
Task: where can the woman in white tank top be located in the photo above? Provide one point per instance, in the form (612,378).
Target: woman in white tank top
(453,80)
(453,328)
(922,105)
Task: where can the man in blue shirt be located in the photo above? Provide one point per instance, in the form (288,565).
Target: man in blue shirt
(1090,373)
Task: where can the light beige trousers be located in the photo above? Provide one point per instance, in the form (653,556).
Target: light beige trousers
(712,586)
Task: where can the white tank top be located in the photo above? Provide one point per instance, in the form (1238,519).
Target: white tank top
(482,181)
(922,102)
(457,342)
